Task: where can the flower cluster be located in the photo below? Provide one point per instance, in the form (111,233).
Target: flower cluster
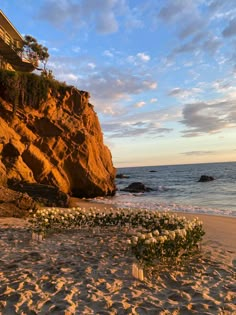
(158,235)
(177,237)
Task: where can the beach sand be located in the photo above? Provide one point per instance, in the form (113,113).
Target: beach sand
(89,271)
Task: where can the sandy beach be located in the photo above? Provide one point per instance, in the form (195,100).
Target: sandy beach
(89,271)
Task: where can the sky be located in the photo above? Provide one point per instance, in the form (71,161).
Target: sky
(161,73)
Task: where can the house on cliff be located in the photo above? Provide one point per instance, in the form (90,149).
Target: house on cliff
(12,54)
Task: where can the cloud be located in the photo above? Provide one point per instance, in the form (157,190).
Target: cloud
(141,56)
(144,57)
(68,77)
(221,85)
(100,15)
(184,93)
(106,22)
(215,5)
(108,53)
(139,128)
(76,49)
(153,100)
(203,117)
(139,104)
(53,11)
(191,27)
(110,85)
(131,123)
(199,153)
(222,8)
(91,65)
(201,41)
(173,9)
(184,16)
(230,30)
(150,84)
(194,24)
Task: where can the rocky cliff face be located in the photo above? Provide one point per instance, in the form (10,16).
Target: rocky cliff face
(54,140)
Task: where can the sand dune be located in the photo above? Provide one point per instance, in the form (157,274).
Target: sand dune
(90,272)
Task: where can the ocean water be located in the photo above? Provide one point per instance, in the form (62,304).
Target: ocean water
(176,188)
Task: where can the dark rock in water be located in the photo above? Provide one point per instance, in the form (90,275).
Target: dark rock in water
(122,176)
(47,195)
(137,187)
(206,178)
(152,171)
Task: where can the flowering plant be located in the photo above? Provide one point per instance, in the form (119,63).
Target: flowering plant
(158,235)
(171,238)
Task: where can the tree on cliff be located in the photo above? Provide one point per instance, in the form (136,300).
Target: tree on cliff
(36,51)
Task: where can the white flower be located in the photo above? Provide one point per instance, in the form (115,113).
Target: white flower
(134,239)
(153,240)
(178,232)
(172,235)
(142,236)
(165,232)
(162,239)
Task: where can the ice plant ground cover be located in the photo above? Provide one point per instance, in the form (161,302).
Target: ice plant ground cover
(157,235)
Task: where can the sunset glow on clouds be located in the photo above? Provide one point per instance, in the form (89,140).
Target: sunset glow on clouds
(161,73)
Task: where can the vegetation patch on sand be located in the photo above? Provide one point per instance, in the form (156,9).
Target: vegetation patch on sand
(157,236)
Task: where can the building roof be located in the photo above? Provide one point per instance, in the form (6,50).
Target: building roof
(9,27)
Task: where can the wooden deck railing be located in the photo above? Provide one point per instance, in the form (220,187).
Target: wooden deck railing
(26,56)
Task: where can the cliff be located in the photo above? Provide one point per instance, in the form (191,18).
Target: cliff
(50,134)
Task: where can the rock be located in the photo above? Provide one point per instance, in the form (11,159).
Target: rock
(137,187)
(15,204)
(152,171)
(122,176)
(3,174)
(205,178)
(44,195)
(56,141)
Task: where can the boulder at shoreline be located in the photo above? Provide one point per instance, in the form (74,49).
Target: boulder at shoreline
(137,187)
(15,204)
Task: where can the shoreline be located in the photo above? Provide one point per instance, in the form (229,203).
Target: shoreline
(218,228)
(161,206)
(89,271)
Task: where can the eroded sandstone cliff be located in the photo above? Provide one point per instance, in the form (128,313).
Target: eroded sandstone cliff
(50,134)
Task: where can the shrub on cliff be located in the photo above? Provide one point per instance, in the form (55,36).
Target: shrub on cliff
(21,88)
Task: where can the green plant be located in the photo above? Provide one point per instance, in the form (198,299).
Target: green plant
(35,51)
(21,88)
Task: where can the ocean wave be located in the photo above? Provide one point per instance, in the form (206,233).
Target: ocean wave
(163,206)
